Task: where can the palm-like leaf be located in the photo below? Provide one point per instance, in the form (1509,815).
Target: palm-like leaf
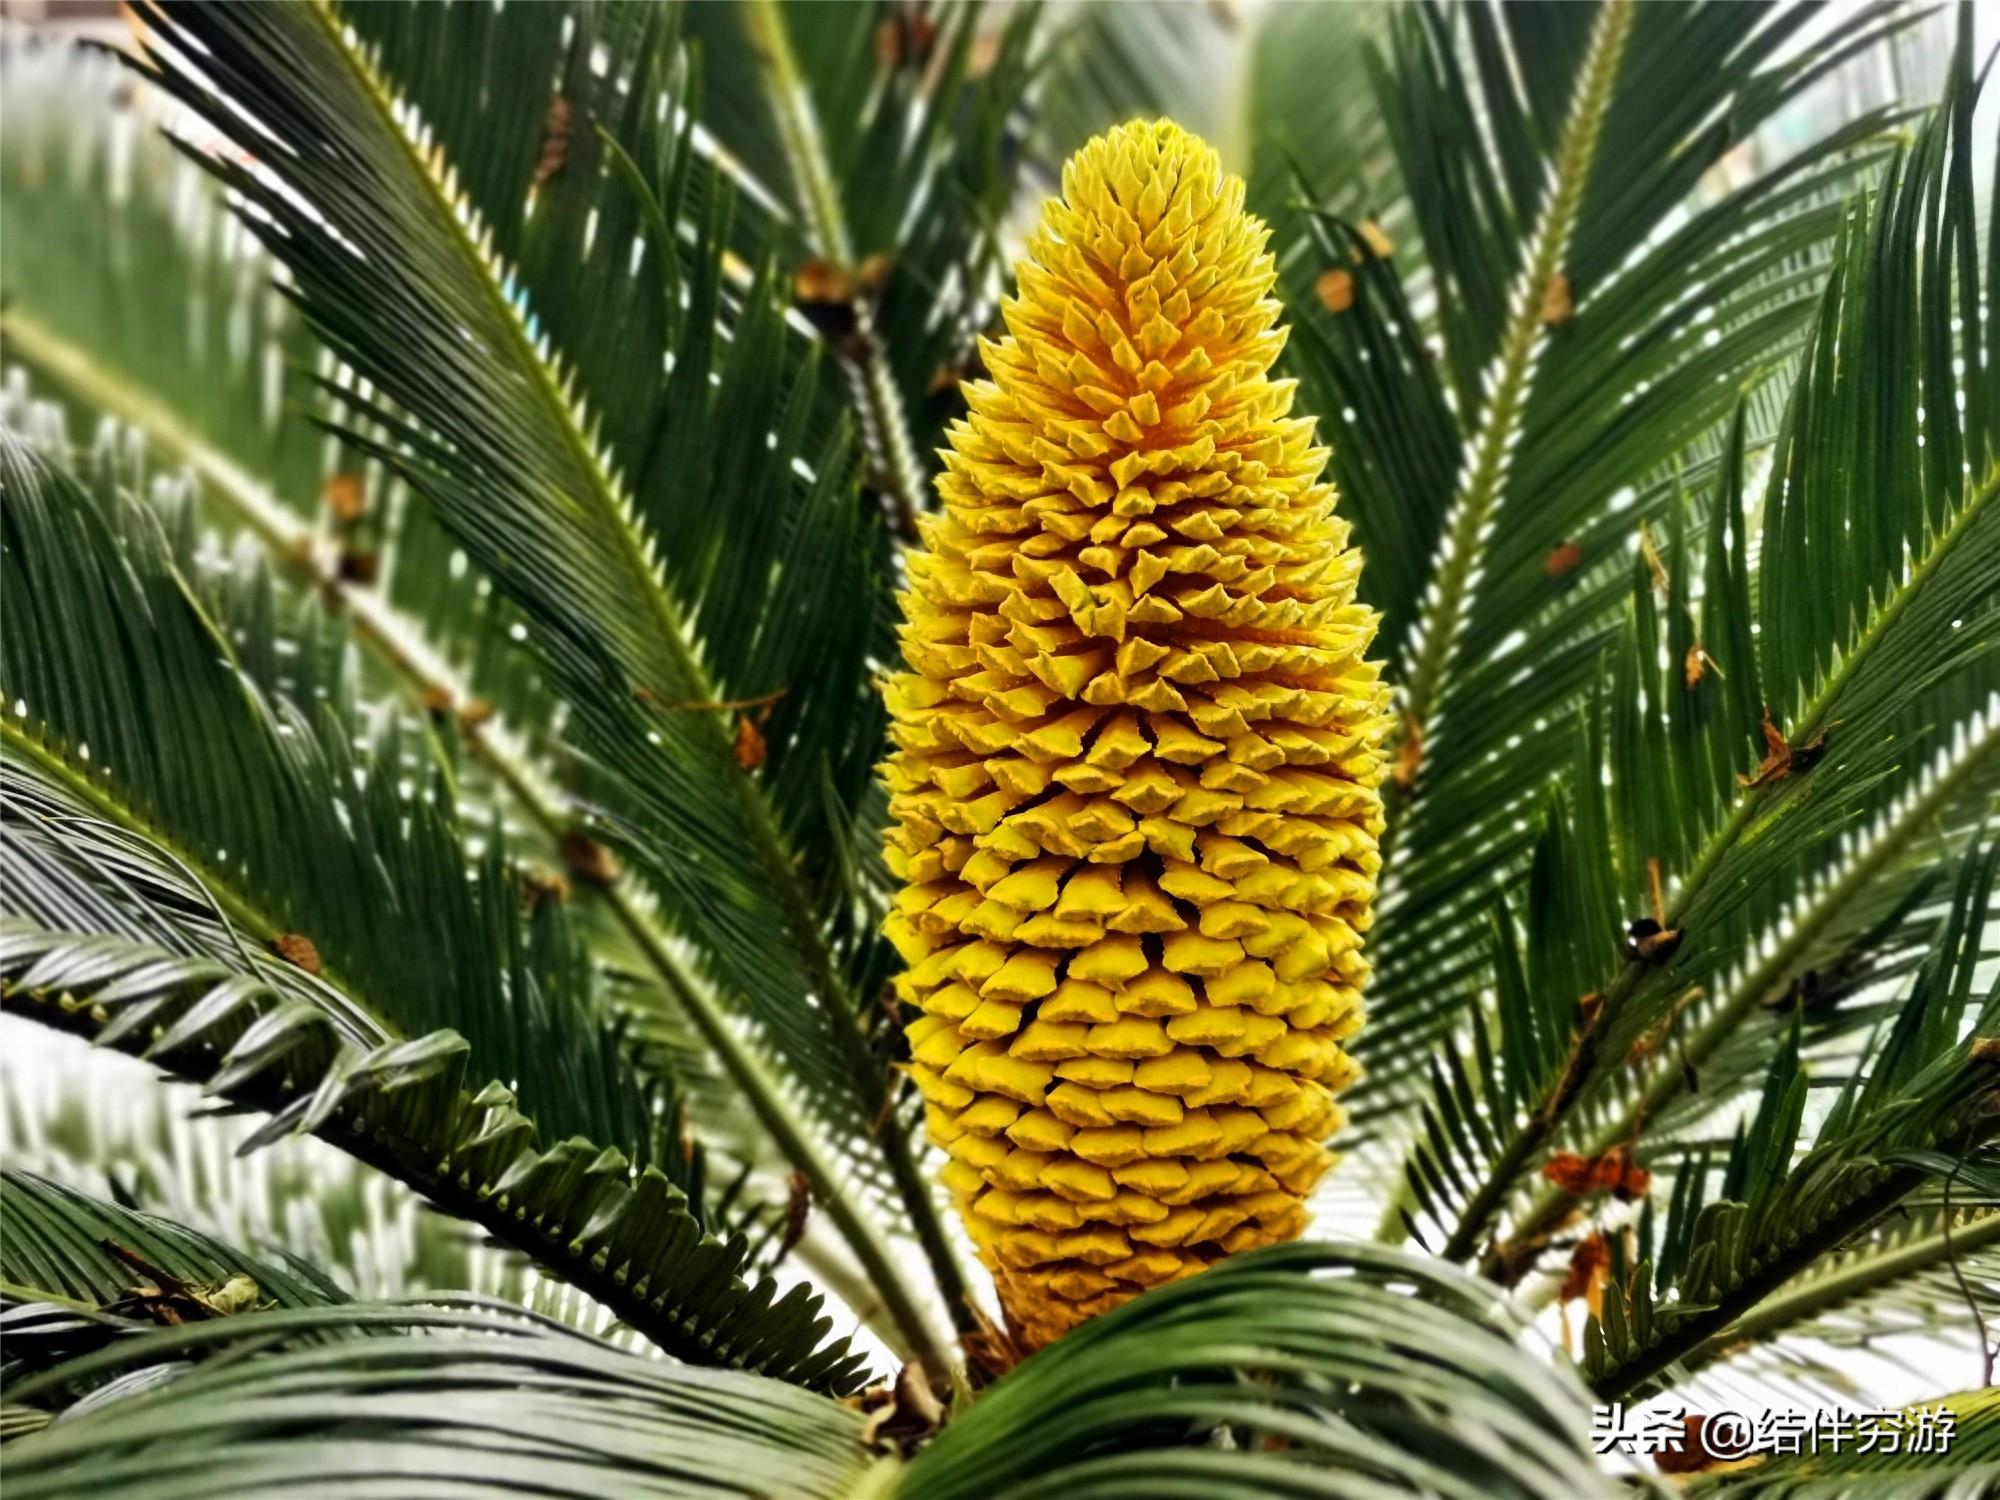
(220,396)
(365,1036)
(59,1249)
(1688,801)
(1675,832)
(105,1125)
(1298,1370)
(431,1402)
(883,137)
(515,468)
(1923,1109)
(1586,346)
(148,303)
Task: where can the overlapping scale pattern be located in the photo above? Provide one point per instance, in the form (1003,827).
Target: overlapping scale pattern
(1137,758)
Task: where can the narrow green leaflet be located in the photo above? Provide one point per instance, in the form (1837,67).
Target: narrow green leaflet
(1505,416)
(1923,1111)
(59,1247)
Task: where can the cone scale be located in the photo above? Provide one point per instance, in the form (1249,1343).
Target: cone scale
(1135,782)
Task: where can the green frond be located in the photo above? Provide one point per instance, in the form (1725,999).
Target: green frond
(421,1401)
(1920,1277)
(1922,1111)
(127,699)
(623,1235)
(884,136)
(130,724)
(1731,840)
(503,433)
(1864,923)
(105,1124)
(146,303)
(1597,317)
(1305,1369)
(59,1249)
(225,394)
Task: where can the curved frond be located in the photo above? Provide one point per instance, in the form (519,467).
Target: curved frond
(315,945)
(1304,1369)
(63,1246)
(658,650)
(1594,318)
(1672,821)
(1923,1111)
(432,1401)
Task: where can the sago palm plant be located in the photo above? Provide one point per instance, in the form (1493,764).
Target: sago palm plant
(784,702)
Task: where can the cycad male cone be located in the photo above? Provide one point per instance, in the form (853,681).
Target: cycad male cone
(1135,783)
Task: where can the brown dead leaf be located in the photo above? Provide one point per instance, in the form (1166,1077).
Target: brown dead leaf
(171,1302)
(1650,942)
(1781,758)
(345,496)
(749,748)
(1693,1456)
(824,293)
(437,699)
(556,132)
(539,885)
(1649,549)
(1335,289)
(1410,753)
(872,276)
(1587,1266)
(1556,303)
(297,950)
(821,281)
(798,1209)
(990,1350)
(1562,559)
(476,712)
(1696,665)
(907,36)
(897,1419)
(589,860)
(1376,239)
(1613,1172)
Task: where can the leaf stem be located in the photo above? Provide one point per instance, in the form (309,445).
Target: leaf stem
(1714,1322)
(288,540)
(864,362)
(234,904)
(793,1138)
(1480,498)
(395,639)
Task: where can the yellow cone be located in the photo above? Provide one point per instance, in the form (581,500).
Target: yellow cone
(1138,753)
